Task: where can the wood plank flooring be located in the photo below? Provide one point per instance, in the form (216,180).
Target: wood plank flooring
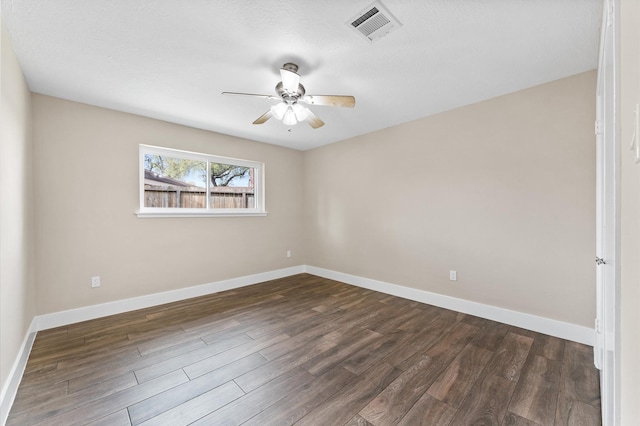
(304,350)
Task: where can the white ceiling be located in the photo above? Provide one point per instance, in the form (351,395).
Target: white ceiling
(171,59)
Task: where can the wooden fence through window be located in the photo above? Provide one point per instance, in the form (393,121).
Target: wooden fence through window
(193,197)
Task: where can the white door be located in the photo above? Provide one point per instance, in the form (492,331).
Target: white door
(606,212)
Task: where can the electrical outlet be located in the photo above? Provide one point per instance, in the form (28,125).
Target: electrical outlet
(288,253)
(95,282)
(453,276)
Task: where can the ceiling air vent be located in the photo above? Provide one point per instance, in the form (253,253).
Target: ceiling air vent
(374,22)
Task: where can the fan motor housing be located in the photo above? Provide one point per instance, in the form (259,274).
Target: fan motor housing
(288,97)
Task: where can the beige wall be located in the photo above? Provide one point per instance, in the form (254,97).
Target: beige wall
(17,292)
(86,170)
(629,379)
(501,191)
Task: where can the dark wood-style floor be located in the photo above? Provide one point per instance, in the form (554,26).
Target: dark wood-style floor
(309,351)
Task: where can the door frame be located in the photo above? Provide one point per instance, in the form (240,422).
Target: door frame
(606,348)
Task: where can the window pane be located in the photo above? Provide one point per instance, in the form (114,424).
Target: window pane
(172,182)
(232,187)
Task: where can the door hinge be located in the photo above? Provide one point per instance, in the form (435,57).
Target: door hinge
(597,128)
(609,13)
(597,325)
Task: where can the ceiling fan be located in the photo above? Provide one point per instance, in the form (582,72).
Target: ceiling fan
(290,92)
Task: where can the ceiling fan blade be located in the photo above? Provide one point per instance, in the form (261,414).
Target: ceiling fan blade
(264,117)
(313,120)
(330,100)
(290,80)
(252,94)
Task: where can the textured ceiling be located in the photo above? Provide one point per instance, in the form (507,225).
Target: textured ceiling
(172,59)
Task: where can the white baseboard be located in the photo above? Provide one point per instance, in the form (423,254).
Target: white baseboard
(10,388)
(551,327)
(72,316)
(548,326)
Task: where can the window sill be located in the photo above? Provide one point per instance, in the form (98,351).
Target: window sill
(148,214)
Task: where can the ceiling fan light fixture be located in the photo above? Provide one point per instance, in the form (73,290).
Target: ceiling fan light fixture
(279,110)
(290,92)
(289,118)
(300,111)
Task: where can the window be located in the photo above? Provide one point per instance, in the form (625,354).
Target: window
(182,183)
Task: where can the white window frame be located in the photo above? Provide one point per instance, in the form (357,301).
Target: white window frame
(258,210)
